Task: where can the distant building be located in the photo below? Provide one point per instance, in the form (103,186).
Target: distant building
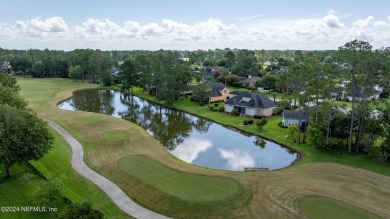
(250,81)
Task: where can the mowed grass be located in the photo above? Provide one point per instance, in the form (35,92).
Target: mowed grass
(324,208)
(265,194)
(18,192)
(117,135)
(56,165)
(189,187)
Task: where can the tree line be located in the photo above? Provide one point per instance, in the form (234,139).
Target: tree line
(166,74)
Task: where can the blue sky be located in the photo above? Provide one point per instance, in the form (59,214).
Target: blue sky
(173,24)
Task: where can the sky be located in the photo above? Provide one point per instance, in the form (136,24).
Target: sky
(191,25)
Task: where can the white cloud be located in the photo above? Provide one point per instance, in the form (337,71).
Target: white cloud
(190,149)
(327,32)
(236,159)
(53,24)
(333,21)
(371,22)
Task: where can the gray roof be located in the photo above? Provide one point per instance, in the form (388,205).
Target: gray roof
(255,100)
(290,114)
(247,80)
(215,88)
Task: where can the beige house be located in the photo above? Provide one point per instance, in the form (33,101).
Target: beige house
(249,103)
(218,91)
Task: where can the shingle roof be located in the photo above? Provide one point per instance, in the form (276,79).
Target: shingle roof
(255,100)
(290,114)
(215,87)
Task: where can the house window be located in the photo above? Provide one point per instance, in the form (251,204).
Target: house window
(246,99)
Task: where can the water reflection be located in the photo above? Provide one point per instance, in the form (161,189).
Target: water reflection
(192,139)
(237,160)
(190,149)
(170,127)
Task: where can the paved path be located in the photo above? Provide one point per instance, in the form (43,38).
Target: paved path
(112,190)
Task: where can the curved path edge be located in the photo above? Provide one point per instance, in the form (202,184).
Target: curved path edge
(113,191)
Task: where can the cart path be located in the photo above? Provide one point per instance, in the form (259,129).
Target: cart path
(112,190)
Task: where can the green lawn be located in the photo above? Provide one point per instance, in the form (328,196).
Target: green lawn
(56,164)
(275,133)
(112,144)
(189,187)
(18,192)
(324,208)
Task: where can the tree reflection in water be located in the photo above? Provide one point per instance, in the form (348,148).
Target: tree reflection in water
(192,139)
(170,127)
(99,101)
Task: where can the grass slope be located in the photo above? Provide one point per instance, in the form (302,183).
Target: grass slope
(324,208)
(265,194)
(189,187)
(57,163)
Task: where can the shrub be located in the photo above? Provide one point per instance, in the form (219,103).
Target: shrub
(278,111)
(292,129)
(221,109)
(335,144)
(216,104)
(211,108)
(261,122)
(250,122)
(235,112)
(245,122)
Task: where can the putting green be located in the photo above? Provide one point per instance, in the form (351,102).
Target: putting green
(189,187)
(322,207)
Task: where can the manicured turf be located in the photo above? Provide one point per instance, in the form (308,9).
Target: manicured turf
(56,165)
(116,135)
(189,187)
(18,192)
(324,208)
(265,194)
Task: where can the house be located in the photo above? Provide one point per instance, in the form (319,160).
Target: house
(249,103)
(5,66)
(250,81)
(341,93)
(291,117)
(218,91)
(337,93)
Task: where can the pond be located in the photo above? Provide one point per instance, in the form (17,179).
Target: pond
(192,139)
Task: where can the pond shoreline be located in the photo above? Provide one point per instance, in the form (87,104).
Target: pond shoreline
(299,155)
